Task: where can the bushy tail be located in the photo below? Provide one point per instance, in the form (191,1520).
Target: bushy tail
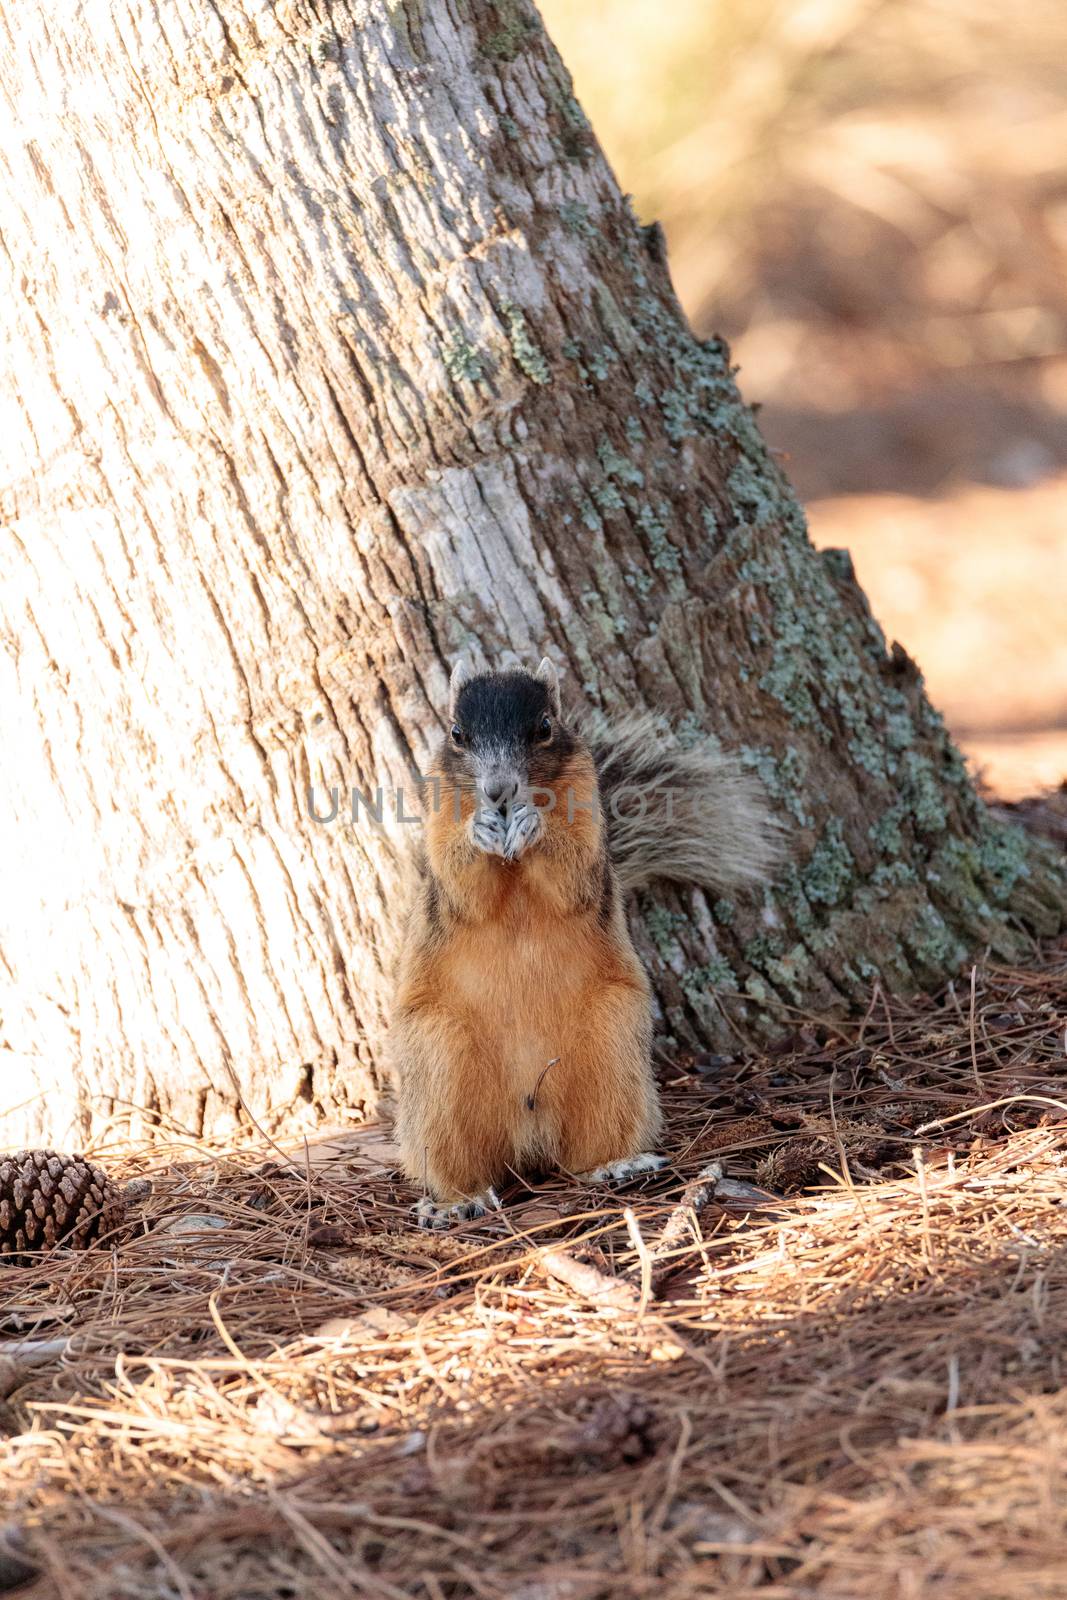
(693,816)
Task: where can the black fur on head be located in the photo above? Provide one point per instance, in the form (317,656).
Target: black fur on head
(507,723)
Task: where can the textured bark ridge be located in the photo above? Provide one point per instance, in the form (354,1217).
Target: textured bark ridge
(333,349)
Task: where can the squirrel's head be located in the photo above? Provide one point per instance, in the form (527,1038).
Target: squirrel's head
(506,735)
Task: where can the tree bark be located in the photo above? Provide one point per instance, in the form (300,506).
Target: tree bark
(333,350)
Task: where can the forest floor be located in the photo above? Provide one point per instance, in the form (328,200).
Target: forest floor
(821,1355)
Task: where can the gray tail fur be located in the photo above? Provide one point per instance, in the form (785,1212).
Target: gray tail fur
(692,816)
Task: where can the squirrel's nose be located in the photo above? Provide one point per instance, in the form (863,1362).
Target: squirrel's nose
(501,792)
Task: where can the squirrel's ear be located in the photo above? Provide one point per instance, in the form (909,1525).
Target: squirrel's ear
(460,674)
(548,675)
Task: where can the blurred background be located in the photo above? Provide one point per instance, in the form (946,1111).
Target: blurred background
(869,199)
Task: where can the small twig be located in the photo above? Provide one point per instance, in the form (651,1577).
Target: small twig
(21,1355)
(992,1105)
(845,1170)
(589,1281)
(697,1194)
(634,1230)
(867,1015)
(34,1352)
(953,1398)
(974,1042)
(888,1014)
(928,1241)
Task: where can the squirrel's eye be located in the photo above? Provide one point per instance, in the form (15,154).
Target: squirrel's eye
(544,730)
(457,733)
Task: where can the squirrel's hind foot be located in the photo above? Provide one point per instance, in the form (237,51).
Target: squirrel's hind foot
(434,1214)
(624,1171)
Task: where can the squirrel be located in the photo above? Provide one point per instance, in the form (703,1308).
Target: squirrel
(521,1034)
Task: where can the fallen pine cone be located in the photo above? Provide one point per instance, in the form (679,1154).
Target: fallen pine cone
(48,1199)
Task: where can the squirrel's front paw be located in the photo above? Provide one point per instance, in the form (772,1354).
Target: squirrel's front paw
(523,830)
(437,1214)
(488,831)
(625,1170)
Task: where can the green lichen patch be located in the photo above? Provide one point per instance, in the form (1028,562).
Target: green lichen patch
(586,508)
(830,870)
(408,20)
(886,834)
(654,522)
(795,901)
(791,973)
(889,875)
(954,877)
(618,466)
(575,218)
(934,946)
(601,358)
(781,775)
(573,136)
(463,363)
(899,731)
(608,497)
(661,925)
(922,792)
(786,680)
(516,26)
(714,974)
(594,360)
(639,581)
(1003,851)
(529,358)
(762,948)
(838,563)
(756,495)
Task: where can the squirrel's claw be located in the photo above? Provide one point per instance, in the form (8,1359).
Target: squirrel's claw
(626,1170)
(523,830)
(431,1214)
(488,831)
(508,836)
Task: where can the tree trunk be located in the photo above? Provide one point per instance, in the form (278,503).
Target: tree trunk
(334,350)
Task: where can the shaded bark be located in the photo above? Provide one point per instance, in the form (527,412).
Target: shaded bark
(332,349)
